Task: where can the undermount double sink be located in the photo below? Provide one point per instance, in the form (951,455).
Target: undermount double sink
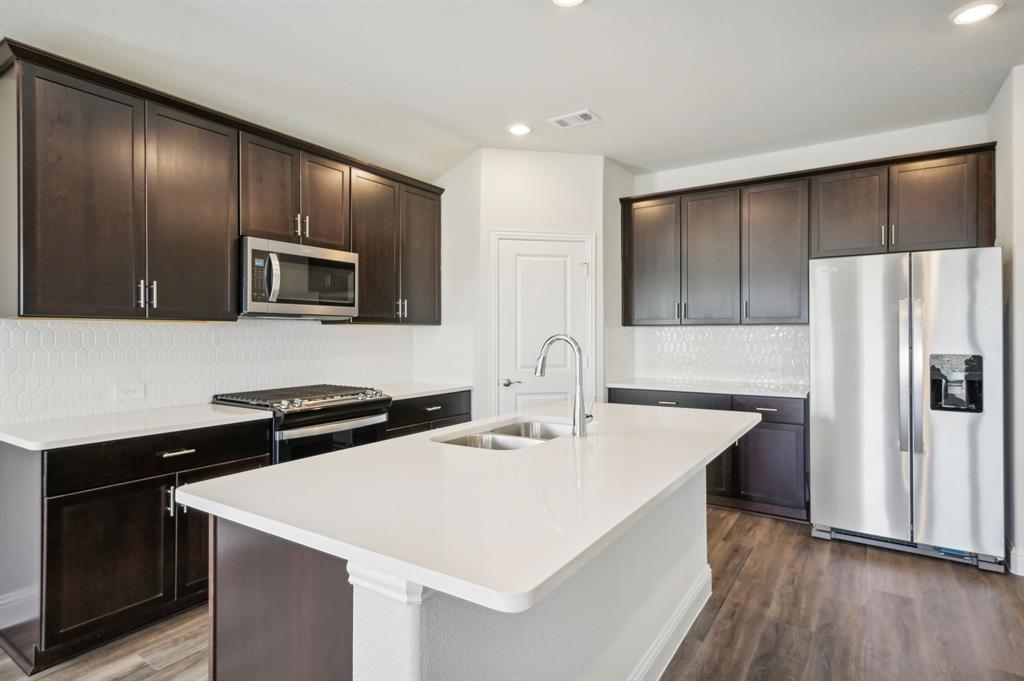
(512,436)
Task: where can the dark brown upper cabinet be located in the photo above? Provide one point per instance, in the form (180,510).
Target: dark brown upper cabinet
(934,204)
(420,256)
(375,238)
(325,202)
(652,253)
(83,237)
(850,213)
(192,216)
(774,253)
(711,258)
(269,175)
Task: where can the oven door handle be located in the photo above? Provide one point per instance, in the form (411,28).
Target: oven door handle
(275,278)
(332,427)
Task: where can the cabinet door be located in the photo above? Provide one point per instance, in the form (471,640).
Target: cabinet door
(192,216)
(325,210)
(770,465)
(719,474)
(375,239)
(774,236)
(193,555)
(83,198)
(269,189)
(849,213)
(711,258)
(654,265)
(108,557)
(420,220)
(934,204)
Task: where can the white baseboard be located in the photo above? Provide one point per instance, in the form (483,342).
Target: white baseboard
(18,606)
(1017,561)
(654,662)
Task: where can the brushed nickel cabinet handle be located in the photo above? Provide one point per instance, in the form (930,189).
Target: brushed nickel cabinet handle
(152,294)
(177,452)
(170,502)
(307,226)
(883,236)
(142,293)
(298,224)
(765,409)
(892,234)
(436,408)
(668,403)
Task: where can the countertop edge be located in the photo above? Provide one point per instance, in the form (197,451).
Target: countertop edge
(427,392)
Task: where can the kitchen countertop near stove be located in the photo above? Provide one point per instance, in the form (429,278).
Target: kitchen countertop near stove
(406,391)
(756,389)
(83,430)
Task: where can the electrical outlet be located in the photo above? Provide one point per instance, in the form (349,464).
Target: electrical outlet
(129,391)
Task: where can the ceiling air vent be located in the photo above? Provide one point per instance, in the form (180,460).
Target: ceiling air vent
(574,120)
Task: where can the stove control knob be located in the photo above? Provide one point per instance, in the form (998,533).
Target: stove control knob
(284,404)
(361,396)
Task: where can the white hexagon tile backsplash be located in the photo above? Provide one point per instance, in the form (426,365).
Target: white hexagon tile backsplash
(759,354)
(51,369)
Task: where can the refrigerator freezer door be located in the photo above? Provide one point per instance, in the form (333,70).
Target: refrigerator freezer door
(958,450)
(860,478)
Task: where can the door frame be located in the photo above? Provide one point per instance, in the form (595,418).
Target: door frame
(589,241)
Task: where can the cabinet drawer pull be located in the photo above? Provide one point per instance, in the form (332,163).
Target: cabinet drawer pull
(883,236)
(306,220)
(170,502)
(437,408)
(298,224)
(177,452)
(765,409)
(668,403)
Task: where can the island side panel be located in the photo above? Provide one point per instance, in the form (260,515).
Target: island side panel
(280,610)
(623,615)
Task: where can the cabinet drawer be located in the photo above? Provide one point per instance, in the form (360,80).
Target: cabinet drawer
(431,408)
(78,468)
(773,409)
(392,433)
(670,398)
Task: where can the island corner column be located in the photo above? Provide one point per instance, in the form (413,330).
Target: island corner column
(387,626)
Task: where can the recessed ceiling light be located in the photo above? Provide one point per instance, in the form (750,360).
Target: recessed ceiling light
(974,12)
(567,3)
(519,129)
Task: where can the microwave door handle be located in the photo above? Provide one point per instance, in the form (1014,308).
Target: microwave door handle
(275,277)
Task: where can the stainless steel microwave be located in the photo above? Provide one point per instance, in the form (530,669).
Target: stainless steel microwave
(282,279)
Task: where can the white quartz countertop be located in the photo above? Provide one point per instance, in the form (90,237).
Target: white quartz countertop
(755,388)
(405,391)
(497,528)
(81,430)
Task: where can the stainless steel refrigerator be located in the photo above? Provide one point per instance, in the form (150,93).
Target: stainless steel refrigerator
(906,431)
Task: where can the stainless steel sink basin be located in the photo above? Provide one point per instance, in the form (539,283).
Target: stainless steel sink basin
(492,441)
(536,430)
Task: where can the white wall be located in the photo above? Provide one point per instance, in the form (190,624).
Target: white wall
(1005,121)
(504,190)
(955,133)
(619,351)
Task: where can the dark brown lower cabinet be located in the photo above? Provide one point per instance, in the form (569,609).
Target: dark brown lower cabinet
(419,414)
(766,470)
(117,552)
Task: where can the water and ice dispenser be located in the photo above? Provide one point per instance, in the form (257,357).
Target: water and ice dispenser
(956,383)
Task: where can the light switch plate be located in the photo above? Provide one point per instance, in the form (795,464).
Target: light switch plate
(129,391)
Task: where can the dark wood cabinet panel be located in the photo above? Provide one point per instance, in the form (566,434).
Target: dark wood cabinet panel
(669,398)
(402,431)
(654,269)
(420,249)
(711,258)
(778,409)
(934,204)
(325,202)
(109,554)
(83,198)
(269,195)
(720,474)
(770,465)
(850,213)
(375,239)
(774,246)
(193,539)
(429,408)
(192,216)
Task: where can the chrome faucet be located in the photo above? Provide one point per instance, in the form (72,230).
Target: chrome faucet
(579,408)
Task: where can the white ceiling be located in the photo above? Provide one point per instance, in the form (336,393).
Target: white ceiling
(417,85)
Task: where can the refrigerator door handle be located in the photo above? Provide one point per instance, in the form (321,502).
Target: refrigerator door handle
(917,379)
(904,351)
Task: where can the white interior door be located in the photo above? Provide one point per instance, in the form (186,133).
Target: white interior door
(544,287)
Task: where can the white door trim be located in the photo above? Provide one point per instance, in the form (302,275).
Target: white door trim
(592,271)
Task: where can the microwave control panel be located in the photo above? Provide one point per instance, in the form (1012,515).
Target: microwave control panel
(258,283)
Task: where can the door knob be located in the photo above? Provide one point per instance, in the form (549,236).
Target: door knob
(508,381)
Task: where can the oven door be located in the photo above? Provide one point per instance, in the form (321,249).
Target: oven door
(292,280)
(299,443)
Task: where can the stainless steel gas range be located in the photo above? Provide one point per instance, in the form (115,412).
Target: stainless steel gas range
(316,419)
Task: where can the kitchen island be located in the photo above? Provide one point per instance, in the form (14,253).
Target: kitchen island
(572,558)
